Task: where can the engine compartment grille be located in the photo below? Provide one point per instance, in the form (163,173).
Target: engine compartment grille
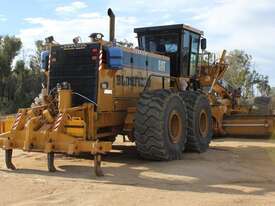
(73,64)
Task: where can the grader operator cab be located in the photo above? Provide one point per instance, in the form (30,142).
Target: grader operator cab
(179,42)
(97,90)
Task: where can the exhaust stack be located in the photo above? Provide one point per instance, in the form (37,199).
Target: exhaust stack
(112,25)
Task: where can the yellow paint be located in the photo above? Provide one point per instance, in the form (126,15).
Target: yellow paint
(75,127)
(64,99)
(48,116)
(6,124)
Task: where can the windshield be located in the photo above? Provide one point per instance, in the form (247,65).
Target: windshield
(163,43)
(171,47)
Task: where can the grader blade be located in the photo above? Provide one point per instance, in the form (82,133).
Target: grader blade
(249,125)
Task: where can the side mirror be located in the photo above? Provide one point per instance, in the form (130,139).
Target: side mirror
(203,44)
(44,62)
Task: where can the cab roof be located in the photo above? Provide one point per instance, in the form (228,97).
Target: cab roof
(168,27)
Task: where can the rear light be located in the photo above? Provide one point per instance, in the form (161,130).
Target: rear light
(94,54)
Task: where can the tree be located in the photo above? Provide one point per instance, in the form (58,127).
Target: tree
(20,84)
(35,59)
(263,85)
(9,49)
(241,75)
(125,43)
(272,91)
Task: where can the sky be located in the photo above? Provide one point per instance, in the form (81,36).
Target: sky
(248,25)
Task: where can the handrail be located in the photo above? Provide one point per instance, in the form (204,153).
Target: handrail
(148,82)
(86,98)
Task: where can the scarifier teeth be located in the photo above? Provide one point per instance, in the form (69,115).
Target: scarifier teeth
(8,159)
(97,166)
(50,157)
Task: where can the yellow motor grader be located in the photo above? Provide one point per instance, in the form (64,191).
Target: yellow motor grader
(156,94)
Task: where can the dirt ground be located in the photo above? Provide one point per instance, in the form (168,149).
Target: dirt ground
(232,172)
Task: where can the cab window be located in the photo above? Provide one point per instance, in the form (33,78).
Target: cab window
(195,39)
(171,47)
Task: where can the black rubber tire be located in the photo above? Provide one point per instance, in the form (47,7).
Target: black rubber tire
(151,126)
(196,103)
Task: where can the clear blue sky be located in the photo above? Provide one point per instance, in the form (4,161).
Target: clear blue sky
(229,24)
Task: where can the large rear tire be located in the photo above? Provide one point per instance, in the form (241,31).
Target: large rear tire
(160,125)
(200,129)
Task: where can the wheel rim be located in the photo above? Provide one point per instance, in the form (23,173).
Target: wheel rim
(175,127)
(203,123)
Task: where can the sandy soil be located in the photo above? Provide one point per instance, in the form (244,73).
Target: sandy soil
(232,172)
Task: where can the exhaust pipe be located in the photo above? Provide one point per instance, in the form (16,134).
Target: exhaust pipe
(112,25)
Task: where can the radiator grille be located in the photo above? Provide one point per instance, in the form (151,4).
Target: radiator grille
(75,65)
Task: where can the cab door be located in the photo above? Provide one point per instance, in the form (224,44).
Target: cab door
(190,53)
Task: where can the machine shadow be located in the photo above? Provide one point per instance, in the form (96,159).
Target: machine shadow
(181,175)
